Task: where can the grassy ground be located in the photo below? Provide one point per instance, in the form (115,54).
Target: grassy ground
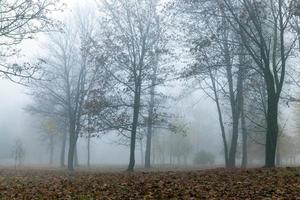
(282,183)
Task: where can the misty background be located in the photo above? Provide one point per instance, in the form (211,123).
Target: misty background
(194,107)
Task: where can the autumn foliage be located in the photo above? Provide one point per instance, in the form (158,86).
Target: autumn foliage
(212,184)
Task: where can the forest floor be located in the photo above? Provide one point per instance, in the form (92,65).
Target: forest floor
(280,183)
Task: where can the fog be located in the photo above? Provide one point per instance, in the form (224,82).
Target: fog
(193,98)
(16,123)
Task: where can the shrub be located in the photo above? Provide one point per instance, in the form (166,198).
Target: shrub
(204,158)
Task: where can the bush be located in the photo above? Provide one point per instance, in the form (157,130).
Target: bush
(204,158)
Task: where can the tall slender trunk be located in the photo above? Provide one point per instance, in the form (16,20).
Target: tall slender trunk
(237,102)
(148,149)
(241,104)
(153,150)
(76,164)
(233,103)
(72,146)
(89,142)
(150,122)
(136,111)
(71,155)
(278,156)
(142,152)
(221,121)
(234,140)
(63,149)
(89,150)
(244,138)
(274,87)
(51,148)
(272,131)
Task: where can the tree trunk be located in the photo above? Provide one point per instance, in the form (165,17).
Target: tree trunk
(233,103)
(63,149)
(148,150)
(221,122)
(89,150)
(142,152)
(278,157)
(150,115)
(76,164)
(236,103)
(245,139)
(136,111)
(89,142)
(234,139)
(72,146)
(51,148)
(272,131)
(150,125)
(153,149)
(71,156)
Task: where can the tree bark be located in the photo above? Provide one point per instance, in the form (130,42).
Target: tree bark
(142,152)
(63,149)
(136,111)
(76,164)
(150,121)
(89,150)
(278,157)
(221,122)
(272,131)
(245,139)
(72,146)
(237,102)
(51,148)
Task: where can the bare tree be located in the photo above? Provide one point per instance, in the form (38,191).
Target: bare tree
(18,153)
(21,20)
(218,65)
(263,27)
(130,30)
(68,77)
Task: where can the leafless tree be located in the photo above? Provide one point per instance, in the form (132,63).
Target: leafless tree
(68,77)
(131,32)
(264,27)
(21,20)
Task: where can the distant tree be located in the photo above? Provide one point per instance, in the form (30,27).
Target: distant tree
(51,133)
(204,158)
(18,153)
(69,75)
(179,144)
(46,108)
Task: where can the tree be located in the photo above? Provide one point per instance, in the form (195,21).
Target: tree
(50,128)
(21,20)
(130,31)
(263,27)
(47,108)
(18,153)
(204,158)
(69,75)
(219,65)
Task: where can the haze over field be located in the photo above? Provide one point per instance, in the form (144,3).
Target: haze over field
(174,83)
(149,99)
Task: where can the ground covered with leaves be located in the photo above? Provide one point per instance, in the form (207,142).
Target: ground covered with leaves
(281,183)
